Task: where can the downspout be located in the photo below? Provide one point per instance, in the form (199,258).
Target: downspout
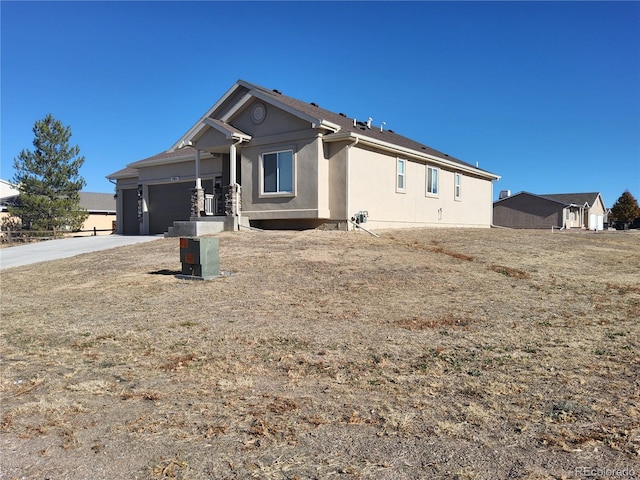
(348,182)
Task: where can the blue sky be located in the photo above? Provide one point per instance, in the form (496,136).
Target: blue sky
(544,94)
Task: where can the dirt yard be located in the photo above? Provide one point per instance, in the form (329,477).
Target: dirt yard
(435,354)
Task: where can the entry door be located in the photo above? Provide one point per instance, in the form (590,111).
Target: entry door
(218,196)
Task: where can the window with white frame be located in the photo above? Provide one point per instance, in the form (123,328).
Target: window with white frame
(277,172)
(401,172)
(432,180)
(457,186)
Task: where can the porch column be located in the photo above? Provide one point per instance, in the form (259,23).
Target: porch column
(197,193)
(233,182)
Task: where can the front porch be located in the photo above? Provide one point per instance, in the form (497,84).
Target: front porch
(211,213)
(220,211)
(198,226)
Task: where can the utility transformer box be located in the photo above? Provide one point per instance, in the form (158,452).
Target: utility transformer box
(200,258)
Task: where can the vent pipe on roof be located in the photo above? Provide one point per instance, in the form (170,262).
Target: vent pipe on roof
(355,122)
(382,125)
(369,120)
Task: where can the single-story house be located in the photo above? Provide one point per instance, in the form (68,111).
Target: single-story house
(562,210)
(102,213)
(260,158)
(100,206)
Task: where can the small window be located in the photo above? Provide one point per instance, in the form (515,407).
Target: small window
(432,181)
(401,171)
(277,171)
(458,186)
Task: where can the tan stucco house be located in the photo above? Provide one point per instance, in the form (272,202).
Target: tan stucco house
(101,208)
(260,158)
(561,210)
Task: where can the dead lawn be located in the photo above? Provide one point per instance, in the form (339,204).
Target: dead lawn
(441,354)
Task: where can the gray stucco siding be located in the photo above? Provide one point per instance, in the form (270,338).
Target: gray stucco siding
(275,122)
(303,201)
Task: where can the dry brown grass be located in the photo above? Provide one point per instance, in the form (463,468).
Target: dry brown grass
(469,354)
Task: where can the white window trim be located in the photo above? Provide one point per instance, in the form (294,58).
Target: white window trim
(457,186)
(426,181)
(403,174)
(264,194)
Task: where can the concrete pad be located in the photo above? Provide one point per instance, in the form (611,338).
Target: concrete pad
(64,248)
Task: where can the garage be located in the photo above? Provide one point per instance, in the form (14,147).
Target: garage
(168,203)
(130,223)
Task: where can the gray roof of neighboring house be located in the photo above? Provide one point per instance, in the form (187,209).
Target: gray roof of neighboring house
(98,202)
(91,201)
(573,198)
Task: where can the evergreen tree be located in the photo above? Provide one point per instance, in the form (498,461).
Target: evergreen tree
(49,181)
(626,208)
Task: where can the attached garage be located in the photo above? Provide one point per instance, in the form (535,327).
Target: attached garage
(168,203)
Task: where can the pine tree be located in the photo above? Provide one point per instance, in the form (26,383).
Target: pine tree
(626,208)
(49,181)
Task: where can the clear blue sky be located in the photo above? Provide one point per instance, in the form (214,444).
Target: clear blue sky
(545,94)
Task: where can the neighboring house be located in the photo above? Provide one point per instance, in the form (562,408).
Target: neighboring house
(100,206)
(8,196)
(260,158)
(562,210)
(102,213)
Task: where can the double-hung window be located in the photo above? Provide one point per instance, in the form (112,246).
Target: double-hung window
(457,186)
(277,172)
(401,175)
(432,181)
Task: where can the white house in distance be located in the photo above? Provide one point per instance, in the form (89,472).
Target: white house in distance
(260,158)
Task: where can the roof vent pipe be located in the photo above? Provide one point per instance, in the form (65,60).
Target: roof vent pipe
(355,122)
(369,120)
(382,125)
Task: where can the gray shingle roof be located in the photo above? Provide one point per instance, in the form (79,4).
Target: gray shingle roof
(346,125)
(575,198)
(98,202)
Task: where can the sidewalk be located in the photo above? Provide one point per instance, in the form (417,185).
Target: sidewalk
(64,248)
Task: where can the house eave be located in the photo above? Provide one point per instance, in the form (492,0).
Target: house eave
(314,121)
(410,153)
(229,134)
(187,156)
(198,125)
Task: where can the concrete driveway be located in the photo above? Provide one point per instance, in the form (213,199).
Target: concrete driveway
(64,248)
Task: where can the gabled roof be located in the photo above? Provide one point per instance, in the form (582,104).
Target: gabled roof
(529,194)
(95,202)
(574,198)
(126,172)
(564,199)
(340,126)
(183,154)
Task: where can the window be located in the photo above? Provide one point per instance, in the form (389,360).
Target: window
(401,170)
(432,181)
(277,171)
(457,186)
